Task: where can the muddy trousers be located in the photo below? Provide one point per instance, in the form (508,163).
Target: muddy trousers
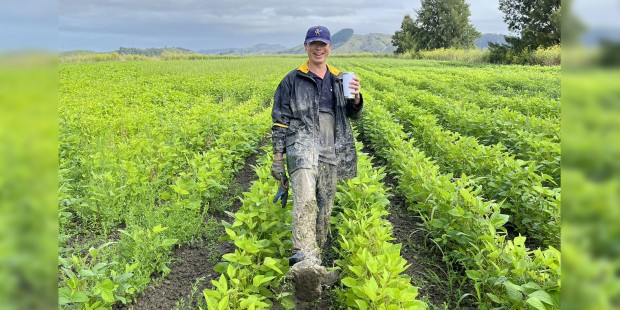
(313,201)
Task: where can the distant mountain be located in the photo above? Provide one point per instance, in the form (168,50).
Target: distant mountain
(376,43)
(256,49)
(341,37)
(345,42)
(486,38)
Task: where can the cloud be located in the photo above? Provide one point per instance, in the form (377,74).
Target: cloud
(239,23)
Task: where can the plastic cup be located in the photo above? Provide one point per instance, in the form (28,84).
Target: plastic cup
(347,77)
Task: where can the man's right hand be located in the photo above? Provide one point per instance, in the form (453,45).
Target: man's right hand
(277,167)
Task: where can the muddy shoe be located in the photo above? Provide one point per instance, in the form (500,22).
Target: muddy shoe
(330,278)
(306,277)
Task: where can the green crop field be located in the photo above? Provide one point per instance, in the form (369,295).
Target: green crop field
(160,160)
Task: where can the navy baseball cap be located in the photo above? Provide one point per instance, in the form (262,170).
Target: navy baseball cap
(318,33)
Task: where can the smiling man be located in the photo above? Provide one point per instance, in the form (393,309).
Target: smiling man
(311,126)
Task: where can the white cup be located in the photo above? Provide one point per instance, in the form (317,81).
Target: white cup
(347,77)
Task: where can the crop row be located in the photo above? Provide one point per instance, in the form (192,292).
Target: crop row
(505,273)
(534,208)
(99,179)
(253,276)
(371,264)
(469,90)
(549,128)
(489,127)
(498,81)
(118,270)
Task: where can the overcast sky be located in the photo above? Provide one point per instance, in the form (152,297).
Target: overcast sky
(105,25)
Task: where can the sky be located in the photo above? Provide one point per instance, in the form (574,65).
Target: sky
(105,25)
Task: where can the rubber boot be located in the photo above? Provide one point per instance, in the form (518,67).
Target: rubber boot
(306,276)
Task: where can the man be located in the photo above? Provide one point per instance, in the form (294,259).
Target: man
(311,125)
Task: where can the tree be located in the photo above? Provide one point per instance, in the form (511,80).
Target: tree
(536,21)
(443,24)
(439,24)
(403,38)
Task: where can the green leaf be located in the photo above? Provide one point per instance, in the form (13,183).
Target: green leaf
(231,271)
(361,304)
(223,283)
(536,303)
(438,223)
(231,257)
(223,304)
(108,296)
(231,233)
(65,296)
(456,211)
(165,196)
(271,263)
(542,296)
(513,290)
(169,242)
(107,284)
(466,195)
(87,273)
(372,265)
(494,298)
(157,229)
(371,288)
(499,219)
(348,281)
(260,279)
(474,275)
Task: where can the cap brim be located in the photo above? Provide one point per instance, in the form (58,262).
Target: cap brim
(318,39)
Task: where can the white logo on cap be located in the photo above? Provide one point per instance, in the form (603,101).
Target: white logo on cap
(317,31)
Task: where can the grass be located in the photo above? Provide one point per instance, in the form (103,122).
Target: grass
(194,300)
(445,280)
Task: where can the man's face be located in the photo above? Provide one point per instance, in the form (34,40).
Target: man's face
(318,52)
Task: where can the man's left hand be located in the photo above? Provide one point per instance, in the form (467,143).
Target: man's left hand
(354,85)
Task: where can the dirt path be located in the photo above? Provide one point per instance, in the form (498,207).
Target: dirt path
(182,288)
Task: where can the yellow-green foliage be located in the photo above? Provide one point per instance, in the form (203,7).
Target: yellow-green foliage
(547,56)
(95,57)
(471,55)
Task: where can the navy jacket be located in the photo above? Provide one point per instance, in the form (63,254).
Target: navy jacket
(296,129)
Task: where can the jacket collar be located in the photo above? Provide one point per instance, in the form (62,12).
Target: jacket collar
(305,69)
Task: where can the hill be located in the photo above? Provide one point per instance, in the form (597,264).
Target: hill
(380,43)
(346,42)
(256,49)
(486,38)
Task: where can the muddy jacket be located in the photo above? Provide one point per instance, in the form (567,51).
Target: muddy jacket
(296,129)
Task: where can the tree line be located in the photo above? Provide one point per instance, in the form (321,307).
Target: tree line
(153,51)
(445,24)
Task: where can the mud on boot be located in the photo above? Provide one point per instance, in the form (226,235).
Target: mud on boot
(329,278)
(306,276)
